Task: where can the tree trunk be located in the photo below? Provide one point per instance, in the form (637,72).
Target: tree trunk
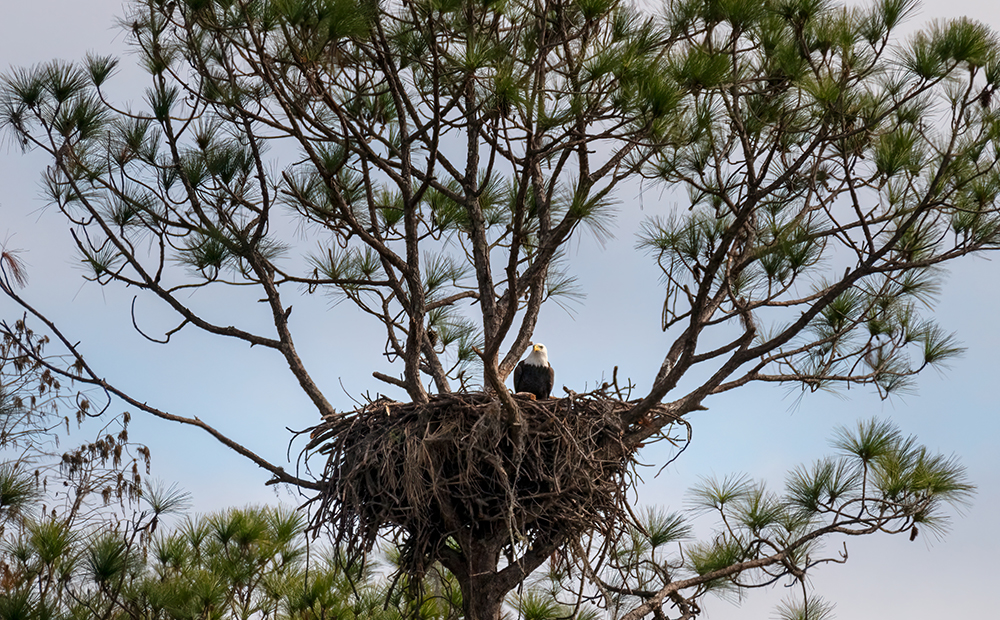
(484,605)
(482,592)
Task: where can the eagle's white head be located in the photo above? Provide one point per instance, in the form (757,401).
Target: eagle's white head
(539,355)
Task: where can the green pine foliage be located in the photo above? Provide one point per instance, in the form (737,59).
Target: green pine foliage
(190,165)
(430,162)
(17,488)
(262,562)
(828,158)
(878,481)
(241,563)
(807,141)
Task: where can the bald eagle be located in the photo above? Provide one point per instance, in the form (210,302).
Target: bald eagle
(533,374)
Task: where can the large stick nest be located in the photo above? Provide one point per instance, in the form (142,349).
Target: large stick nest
(462,465)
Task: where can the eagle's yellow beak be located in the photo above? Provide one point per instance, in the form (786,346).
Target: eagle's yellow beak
(534,347)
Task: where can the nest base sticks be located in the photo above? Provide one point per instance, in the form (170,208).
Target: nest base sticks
(424,473)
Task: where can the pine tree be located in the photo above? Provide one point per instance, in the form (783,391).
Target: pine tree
(440,156)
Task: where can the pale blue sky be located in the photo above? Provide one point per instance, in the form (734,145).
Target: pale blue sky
(250,395)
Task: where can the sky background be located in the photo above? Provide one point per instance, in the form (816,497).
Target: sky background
(762,431)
